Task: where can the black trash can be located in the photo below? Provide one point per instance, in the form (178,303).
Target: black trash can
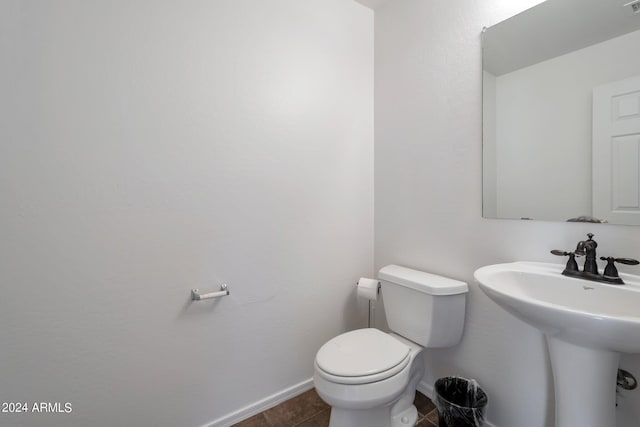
(460,402)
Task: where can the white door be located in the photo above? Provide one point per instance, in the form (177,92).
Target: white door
(616,152)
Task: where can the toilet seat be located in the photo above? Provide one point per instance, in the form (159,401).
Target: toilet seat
(362,356)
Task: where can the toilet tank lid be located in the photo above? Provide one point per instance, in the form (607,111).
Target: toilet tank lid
(423,282)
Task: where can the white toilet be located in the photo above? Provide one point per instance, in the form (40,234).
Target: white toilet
(370,377)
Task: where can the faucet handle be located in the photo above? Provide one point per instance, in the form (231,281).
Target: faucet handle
(610,270)
(628,261)
(572,265)
(560,253)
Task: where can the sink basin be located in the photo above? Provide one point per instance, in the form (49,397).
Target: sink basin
(587,325)
(582,312)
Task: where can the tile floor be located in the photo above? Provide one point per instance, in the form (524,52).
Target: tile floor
(308,410)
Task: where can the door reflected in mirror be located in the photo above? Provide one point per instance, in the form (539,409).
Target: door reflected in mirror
(561,113)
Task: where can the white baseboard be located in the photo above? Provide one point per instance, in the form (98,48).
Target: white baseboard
(427,390)
(261,405)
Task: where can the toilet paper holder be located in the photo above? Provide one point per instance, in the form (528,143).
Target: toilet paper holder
(379,285)
(197,296)
(378,282)
(372,300)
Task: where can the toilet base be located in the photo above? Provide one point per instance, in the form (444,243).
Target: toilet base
(408,417)
(400,412)
(376,417)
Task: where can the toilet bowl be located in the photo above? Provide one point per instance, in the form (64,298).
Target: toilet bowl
(369,377)
(370,395)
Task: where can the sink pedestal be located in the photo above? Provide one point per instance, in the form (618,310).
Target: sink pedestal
(585,384)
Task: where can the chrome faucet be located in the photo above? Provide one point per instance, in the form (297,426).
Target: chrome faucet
(587,248)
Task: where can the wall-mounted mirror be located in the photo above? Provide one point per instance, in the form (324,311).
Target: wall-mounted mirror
(561,113)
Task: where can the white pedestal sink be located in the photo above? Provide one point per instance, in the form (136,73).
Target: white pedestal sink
(587,325)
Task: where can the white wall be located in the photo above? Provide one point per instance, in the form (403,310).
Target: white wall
(428,198)
(489,154)
(543,116)
(148,147)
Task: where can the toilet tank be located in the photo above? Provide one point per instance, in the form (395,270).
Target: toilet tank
(425,308)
